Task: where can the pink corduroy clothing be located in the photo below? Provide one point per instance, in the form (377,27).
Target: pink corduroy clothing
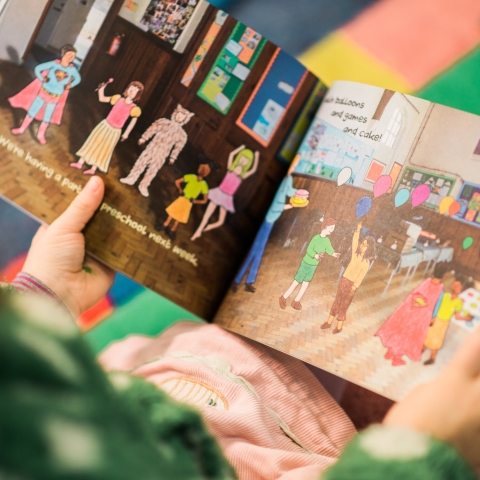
(271,416)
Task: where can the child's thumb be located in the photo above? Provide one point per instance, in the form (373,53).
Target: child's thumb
(81,210)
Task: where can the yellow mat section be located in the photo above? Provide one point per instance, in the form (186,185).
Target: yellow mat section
(336,57)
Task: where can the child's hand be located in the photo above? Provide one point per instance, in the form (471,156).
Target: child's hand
(448,408)
(318,256)
(141,141)
(57,255)
(335,254)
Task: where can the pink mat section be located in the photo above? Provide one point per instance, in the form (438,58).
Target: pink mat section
(417,39)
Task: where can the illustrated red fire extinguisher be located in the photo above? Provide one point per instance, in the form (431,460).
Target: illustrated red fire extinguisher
(116,44)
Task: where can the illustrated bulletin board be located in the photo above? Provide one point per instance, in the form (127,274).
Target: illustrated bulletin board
(440,186)
(231,68)
(272,96)
(204,47)
(295,137)
(469,198)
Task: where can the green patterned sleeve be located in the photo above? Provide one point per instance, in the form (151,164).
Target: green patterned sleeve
(63,418)
(393,453)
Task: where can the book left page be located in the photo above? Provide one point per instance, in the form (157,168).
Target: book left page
(177,106)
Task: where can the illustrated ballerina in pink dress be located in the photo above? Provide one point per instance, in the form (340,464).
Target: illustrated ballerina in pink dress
(242,163)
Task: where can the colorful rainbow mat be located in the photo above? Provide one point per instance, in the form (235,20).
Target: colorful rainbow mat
(428,48)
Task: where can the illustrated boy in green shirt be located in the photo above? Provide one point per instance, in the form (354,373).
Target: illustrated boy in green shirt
(318,246)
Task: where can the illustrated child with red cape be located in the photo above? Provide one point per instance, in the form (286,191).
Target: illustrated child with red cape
(405,330)
(45,98)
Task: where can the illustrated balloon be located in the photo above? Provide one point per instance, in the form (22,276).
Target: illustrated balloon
(363,206)
(467,242)
(420,194)
(444,205)
(344,176)
(402,197)
(454,208)
(382,185)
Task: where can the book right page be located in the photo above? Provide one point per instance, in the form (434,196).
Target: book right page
(368,262)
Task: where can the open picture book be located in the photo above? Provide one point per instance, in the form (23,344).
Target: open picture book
(339,225)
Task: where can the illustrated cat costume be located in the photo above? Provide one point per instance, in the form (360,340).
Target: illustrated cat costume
(168,139)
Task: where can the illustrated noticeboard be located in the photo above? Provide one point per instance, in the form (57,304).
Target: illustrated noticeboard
(440,186)
(231,68)
(469,198)
(295,137)
(272,96)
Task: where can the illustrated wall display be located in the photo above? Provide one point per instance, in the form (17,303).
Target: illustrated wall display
(166,19)
(327,150)
(204,47)
(440,186)
(272,96)
(395,173)
(167,139)
(294,138)
(375,171)
(469,198)
(231,68)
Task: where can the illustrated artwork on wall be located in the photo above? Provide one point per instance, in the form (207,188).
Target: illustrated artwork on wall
(231,68)
(294,138)
(327,150)
(166,19)
(440,186)
(204,47)
(469,199)
(375,171)
(272,96)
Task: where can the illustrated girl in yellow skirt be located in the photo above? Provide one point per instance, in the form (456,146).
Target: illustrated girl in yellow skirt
(450,306)
(179,210)
(98,149)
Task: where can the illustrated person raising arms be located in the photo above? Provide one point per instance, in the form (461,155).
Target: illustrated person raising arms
(362,255)
(242,163)
(45,98)
(318,246)
(98,149)
(258,413)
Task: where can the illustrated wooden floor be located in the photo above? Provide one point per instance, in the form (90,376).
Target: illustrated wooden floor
(355,354)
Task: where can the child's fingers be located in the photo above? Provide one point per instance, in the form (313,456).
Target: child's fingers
(81,210)
(467,360)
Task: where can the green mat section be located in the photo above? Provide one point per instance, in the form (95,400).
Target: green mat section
(457,87)
(146,314)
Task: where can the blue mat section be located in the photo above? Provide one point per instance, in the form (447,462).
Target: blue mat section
(293,25)
(17,230)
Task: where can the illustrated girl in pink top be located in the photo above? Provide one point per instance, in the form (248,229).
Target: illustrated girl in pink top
(242,163)
(98,149)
